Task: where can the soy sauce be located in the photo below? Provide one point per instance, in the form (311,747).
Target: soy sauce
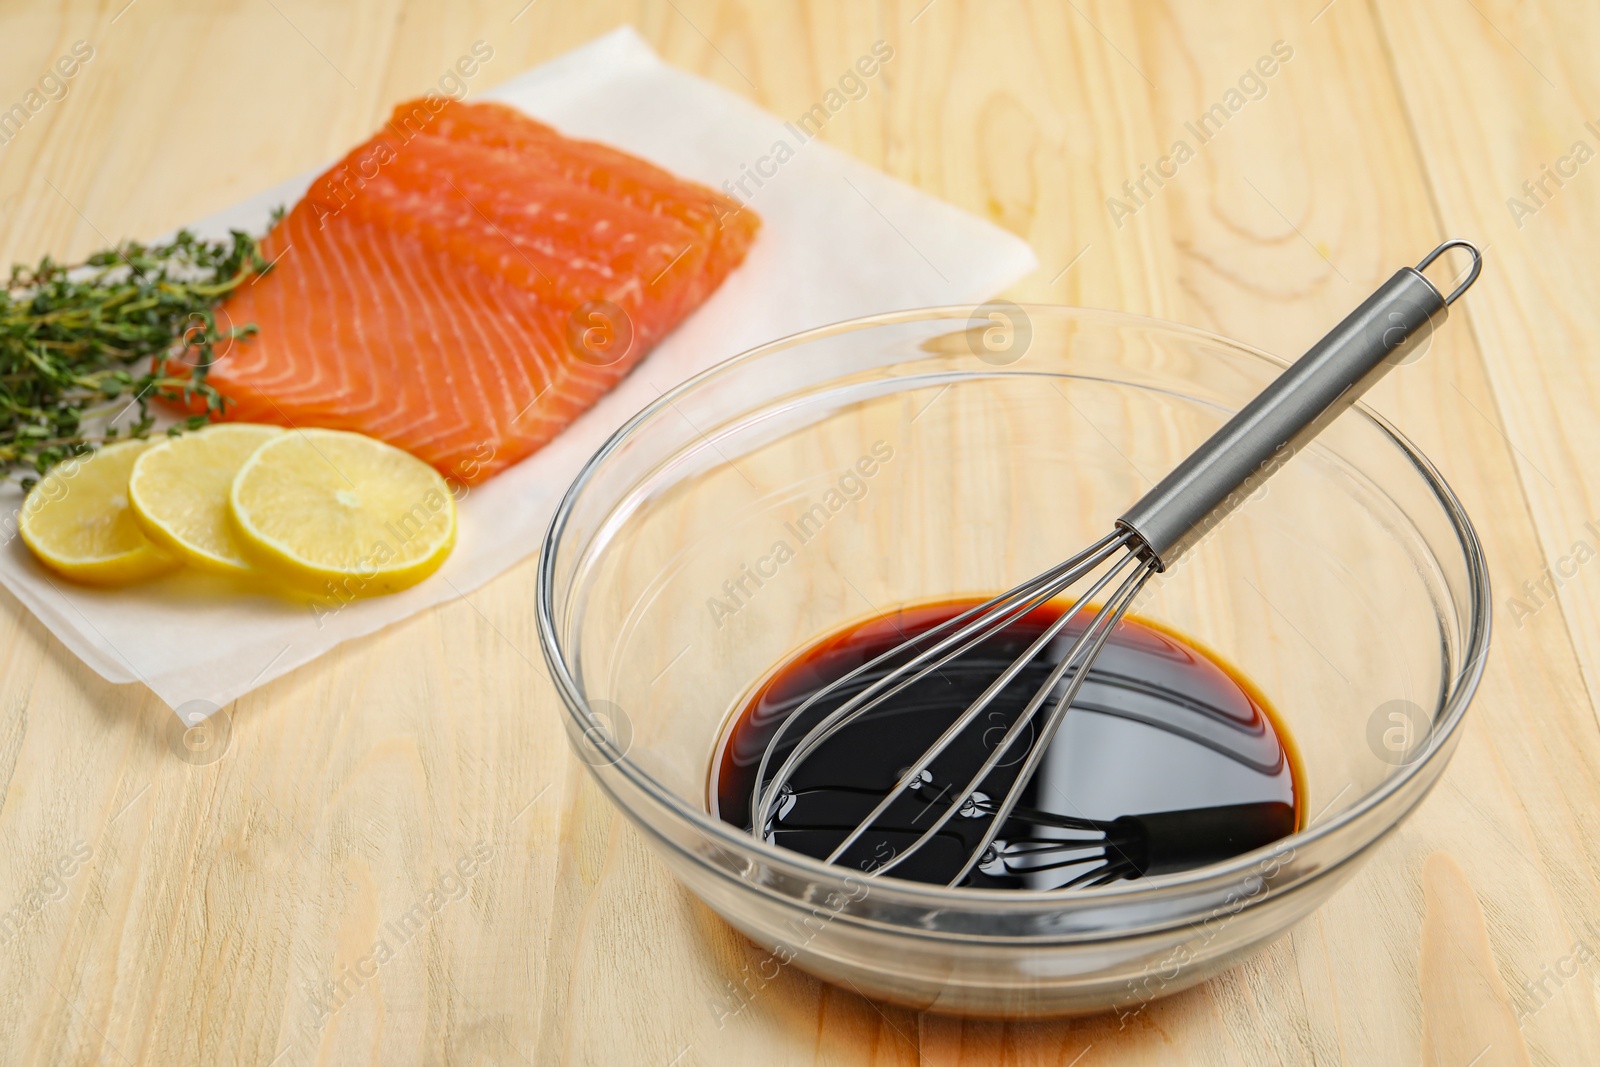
(1167,760)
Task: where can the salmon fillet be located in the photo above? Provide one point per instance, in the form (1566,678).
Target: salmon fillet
(467,282)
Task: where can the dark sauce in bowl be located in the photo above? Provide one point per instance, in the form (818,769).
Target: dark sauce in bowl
(1167,760)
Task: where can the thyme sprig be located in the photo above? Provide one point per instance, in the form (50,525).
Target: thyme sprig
(83,344)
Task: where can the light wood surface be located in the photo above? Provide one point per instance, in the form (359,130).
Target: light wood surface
(173,913)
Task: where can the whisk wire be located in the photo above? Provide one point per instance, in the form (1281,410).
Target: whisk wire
(1083,653)
(966,718)
(984,622)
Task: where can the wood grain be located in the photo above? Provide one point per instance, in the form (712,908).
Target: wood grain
(178,913)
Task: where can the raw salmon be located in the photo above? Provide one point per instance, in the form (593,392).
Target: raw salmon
(468,282)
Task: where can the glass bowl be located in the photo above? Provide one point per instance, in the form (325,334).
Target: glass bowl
(953,452)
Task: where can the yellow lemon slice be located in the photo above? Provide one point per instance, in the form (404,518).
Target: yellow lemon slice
(179,493)
(78,522)
(327,506)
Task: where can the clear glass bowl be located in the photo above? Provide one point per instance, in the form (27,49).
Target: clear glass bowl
(922,455)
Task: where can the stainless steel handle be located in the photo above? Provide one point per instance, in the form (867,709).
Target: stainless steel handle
(1224,471)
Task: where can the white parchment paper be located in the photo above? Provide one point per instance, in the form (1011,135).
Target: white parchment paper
(839,239)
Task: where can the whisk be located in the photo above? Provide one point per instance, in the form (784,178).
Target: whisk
(1148,538)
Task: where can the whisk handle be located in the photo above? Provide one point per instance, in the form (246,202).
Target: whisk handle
(1224,471)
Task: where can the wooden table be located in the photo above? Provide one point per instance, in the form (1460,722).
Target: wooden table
(173,913)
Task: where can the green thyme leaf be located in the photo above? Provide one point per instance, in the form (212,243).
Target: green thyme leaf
(82,344)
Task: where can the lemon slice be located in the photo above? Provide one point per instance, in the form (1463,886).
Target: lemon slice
(179,493)
(327,506)
(78,522)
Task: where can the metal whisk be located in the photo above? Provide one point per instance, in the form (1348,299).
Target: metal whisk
(1148,538)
